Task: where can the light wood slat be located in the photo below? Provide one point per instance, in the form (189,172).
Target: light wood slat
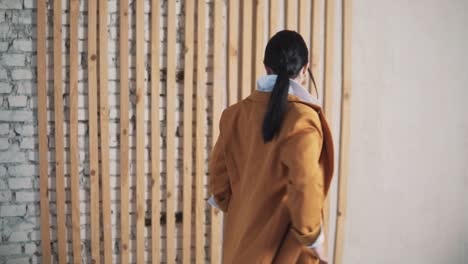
(200,136)
(328,86)
(218,87)
(104,125)
(74,158)
(316,41)
(273,17)
(155,132)
(188,130)
(59,135)
(329,55)
(345,131)
(140,132)
(93,131)
(42,126)
(315,60)
(259,40)
(291,15)
(171,88)
(233,52)
(303,10)
(304,26)
(315,45)
(247,46)
(124,126)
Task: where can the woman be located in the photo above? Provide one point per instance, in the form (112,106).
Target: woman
(271,166)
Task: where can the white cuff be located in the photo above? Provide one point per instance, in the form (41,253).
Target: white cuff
(213,203)
(320,239)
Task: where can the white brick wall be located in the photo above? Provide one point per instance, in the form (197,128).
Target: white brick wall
(19,176)
(19,221)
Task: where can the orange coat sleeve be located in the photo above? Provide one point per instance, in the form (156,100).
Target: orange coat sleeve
(305,196)
(218,179)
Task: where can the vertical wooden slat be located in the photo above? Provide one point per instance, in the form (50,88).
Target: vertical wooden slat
(315,41)
(74,159)
(315,44)
(93,131)
(259,40)
(200,135)
(233,52)
(273,17)
(246,77)
(140,132)
(218,86)
(291,14)
(59,136)
(345,128)
(104,124)
(42,125)
(304,26)
(188,118)
(328,86)
(171,88)
(155,131)
(329,55)
(124,124)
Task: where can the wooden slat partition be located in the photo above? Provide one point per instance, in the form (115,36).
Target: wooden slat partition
(171,132)
(247,32)
(104,125)
(124,126)
(273,17)
(59,135)
(200,134)
(140,132)
(218,87)
(42,126)
(74,159)
(259,40)
(291,14)
(155,131)
(242,69)
(345,131)
(233,52)
(93,131)
(188,130)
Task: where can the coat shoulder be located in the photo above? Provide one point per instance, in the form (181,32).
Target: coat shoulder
(228,115)
(303,109)
(301,117)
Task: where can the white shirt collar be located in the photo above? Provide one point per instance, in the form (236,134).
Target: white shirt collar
(267,82)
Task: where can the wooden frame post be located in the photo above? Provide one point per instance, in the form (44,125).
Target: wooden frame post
(124,126)
(42,126)
(344,135)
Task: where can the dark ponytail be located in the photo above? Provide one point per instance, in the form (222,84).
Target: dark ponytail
(286,54)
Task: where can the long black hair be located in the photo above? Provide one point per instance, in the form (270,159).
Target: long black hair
(285,54)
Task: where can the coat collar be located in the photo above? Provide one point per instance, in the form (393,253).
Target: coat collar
(296,92)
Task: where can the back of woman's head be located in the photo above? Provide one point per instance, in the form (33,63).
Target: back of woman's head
(285,54)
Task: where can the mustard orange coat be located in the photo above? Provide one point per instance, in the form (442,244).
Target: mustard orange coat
(272,194)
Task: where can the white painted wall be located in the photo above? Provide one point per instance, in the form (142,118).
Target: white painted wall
(407,200)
